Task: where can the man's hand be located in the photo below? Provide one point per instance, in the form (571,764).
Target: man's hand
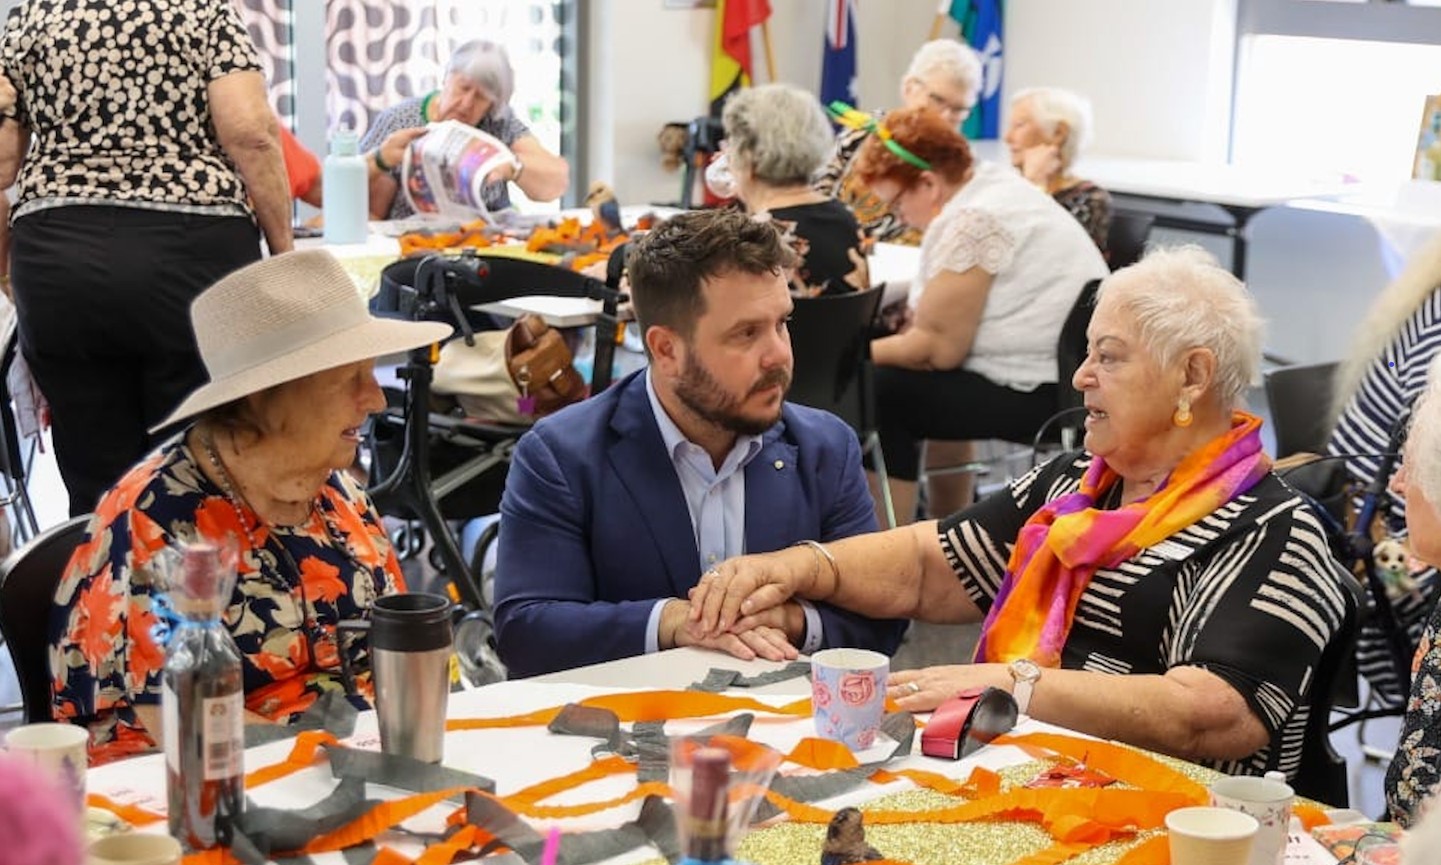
(765,641)
(748,587)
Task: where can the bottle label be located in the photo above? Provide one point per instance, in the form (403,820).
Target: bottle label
(170,726)
(223,736)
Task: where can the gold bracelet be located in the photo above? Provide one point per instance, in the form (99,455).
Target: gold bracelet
(821,552)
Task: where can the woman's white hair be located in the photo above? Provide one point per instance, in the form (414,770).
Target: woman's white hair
(955,60)
(1052,106)
(1423,441)
(1183,299)
(779,132)
(488,65)
(1387,315)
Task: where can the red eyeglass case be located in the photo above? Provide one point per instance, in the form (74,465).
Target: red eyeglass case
(962,724)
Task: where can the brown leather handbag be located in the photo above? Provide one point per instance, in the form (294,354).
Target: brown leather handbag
(539,362)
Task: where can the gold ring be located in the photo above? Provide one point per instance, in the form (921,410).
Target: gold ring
(913,687)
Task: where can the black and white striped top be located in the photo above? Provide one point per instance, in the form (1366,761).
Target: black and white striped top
(1392,383)
(1250,593)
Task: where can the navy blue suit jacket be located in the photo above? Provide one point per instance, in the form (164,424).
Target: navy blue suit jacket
(595,529)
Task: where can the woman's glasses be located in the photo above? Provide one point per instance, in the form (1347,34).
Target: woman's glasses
(943,106)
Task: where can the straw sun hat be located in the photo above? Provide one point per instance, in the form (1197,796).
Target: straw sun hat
(284,318)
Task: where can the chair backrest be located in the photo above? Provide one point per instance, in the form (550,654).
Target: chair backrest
(1126,238)
(1070,354)
(28,578)
(12,463)
(1300,398)
(831,341)
(1322,775)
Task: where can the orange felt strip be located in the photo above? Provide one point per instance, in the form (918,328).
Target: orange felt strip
(132,814)
(644,706)
(305,752)
(1121,763)
(1155,850)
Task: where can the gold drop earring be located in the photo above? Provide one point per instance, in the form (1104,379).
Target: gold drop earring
(1183,417)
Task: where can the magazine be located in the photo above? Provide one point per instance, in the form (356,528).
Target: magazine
(443,171)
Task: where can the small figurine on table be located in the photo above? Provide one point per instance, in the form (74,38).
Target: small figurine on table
(846,840)
(603,205)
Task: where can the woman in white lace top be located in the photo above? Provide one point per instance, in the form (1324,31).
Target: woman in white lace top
(1001,266)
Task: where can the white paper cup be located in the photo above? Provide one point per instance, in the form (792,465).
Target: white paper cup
(135,848)
(848,695)
(1210,836)
(59,750)
(1269,801)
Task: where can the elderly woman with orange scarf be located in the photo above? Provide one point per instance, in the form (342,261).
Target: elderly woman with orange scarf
(1161,587)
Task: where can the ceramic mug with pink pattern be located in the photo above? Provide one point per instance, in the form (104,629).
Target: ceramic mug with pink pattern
(848,695)
(1267,799)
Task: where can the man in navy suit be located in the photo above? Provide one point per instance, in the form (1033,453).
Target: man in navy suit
(614,507)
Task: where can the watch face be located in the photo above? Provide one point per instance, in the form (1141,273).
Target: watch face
(1025,670)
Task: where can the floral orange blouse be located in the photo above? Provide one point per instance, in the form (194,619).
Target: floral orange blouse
(110,620)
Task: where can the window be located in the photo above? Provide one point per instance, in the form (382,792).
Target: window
(1334,89)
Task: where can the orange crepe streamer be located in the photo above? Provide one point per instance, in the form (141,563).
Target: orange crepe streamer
(444,852)
(303,754)
(643,706)
(1055,854)
(216,856)
(1121,763)
(822,754)
(132,814)
(1155,850)
(1310,816)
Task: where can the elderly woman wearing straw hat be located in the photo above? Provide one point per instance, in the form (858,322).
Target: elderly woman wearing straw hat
(1161,587)
(290,350)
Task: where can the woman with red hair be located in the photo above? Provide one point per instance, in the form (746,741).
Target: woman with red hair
(1001,266)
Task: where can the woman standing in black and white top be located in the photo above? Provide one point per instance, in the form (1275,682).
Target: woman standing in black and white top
(149,166)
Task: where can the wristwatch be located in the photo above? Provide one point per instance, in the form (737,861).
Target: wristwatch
(1025,673)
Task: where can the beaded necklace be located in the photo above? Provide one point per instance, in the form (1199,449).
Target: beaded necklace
(322,644)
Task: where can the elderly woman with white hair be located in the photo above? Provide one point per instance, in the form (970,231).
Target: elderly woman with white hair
(777,136)
(1414,775)
(1162,587)
(1047,129)
(944,77)
(477,88)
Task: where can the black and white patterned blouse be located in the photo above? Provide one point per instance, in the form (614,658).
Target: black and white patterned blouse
(114,93)
(503,124)
(1091,205)
(838,181)
(1249,593)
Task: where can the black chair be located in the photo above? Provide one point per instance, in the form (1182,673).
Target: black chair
(15,455)
(831,342)
(1300,401)
(1126,238)
(1322,775)
(28,578)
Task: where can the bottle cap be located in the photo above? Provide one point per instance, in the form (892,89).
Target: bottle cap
(202,581)
(344,142)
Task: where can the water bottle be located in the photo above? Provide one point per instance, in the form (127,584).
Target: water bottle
(346,204)
(203,706)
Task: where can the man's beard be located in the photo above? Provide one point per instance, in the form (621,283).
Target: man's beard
(703,395)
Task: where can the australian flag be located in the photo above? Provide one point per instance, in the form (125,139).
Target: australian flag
(838,68)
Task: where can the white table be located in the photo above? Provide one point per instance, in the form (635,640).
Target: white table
(1240,192)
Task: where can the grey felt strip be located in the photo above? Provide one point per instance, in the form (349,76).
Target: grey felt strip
(273,829)
(578,848)
(331,712)
(577,720)
(720,679)
(404,773)
(657,820)
(361,854)
(900,726)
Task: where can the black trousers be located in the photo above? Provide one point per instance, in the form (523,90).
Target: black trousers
(103,296)
(913,405)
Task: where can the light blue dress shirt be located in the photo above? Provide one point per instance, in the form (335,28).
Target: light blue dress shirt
(716,500)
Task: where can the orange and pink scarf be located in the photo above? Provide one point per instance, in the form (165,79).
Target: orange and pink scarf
(1064,543)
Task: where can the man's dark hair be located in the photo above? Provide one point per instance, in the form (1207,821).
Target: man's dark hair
(669,264)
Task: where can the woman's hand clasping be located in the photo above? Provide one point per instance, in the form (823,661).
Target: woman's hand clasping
(735,595)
